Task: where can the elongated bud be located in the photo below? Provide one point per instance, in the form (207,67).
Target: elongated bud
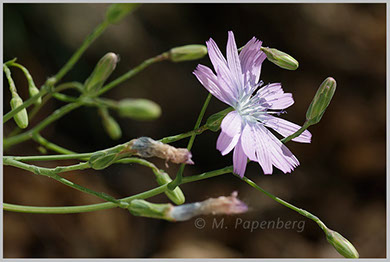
(176,195)
(102,71)
(280,58)
(33,90)
(116,12)
(21,118)
(214,121)
(187,53)
(321,101)
(144,208)
(146,147)
(110,125)
(341,244)
(102,159)
(139,109)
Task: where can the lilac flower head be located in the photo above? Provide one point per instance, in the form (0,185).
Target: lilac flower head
(235,83)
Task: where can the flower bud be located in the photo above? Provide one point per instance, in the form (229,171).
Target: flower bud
(280,58)
(143,208)
(341,244)
(110,125)
(187,53)
(102,71)
(321,101)
(175,195)
(214,121)
(139,109)
(33,90)
(116,12)
(21,118)
(101,160)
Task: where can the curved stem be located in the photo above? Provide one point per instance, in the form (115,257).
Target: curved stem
(49,145)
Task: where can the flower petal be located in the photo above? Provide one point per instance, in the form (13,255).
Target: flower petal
(251,60)
(231,124)
(273,97)
(280,155)
(226,143)
(239,160)
(221,67)
(254,144)
(209,80)
(234,63)
(286,128)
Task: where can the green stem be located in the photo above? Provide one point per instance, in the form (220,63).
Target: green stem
(49,145)
(76,56)
(84,208)
(82,156)
(28,134)
(171,139)
(297,133)
(179,175)
(53,173)
(131,73)
(285,203)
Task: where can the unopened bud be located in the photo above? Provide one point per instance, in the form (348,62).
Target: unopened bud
(321,101)
(110,125)
(341,244)
(102,71)
(187,53)
(280,58)
(146,147)
(116,12)
(175,195)
(214,121)
(144,208)
(216,206)
(21,118)
(33,90)
(102,159)
(139,109)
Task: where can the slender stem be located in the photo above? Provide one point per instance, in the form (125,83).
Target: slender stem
(81,156)
(131,73)
(179,174)
(53,117)
(46,98)
(171,139)
(84,208)
(53,173)
(285,203)
(41,140)
(76,56)
(297,133)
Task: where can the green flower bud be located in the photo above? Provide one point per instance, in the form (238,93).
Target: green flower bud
(143,208)
(280,58)
(21,118)
(341,244)
(321,101)
(33,90)
(102,71)
(102,159)
(116,12)
(214,121)
(187,53)
(175,195)
(112,128)
(139,109)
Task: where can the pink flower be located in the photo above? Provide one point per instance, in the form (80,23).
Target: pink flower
(244,129)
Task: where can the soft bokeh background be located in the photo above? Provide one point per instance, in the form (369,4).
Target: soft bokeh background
(342,176)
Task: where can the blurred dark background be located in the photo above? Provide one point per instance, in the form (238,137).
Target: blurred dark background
(342,176)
